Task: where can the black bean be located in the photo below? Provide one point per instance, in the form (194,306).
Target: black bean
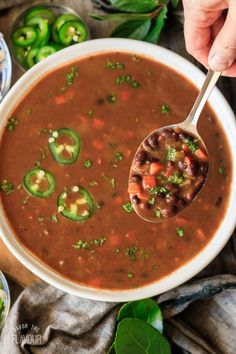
(135,199)
(182,203)
(172,188)
(192,168)
(100,101)
(166,133)
(135,178)
(146,146)
(141,158)
(170,164)
(182,165)
(153,159)
(183,136)
(203,168)
(218,201)
(172,199)
(153,141)
(169,211)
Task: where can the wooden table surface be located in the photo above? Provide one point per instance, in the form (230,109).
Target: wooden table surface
(8,263)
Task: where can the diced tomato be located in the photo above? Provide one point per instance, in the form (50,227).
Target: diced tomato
(69,94)
(117,201)
(180,221)
(201,154)
(169,172)
(185,147)
(156,167)
(200,235)
(134,188)
(60,99)
(98,144)
(96,282)
(125,96)
(143,195)
(114,240)
(149,182)
(187,160)
(98,123)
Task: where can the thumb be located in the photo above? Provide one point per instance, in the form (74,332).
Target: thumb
(223,51)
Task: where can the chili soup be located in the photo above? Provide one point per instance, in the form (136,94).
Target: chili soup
(65,159)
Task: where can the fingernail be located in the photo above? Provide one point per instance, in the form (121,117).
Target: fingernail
(218,63)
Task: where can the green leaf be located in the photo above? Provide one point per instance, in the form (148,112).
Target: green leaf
(146,310)
(132,29)
(174,3)
(137,337)
(154,35)
(135,5)
(112,349)
(120,17)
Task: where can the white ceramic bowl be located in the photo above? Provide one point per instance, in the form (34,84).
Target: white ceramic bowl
(226,118)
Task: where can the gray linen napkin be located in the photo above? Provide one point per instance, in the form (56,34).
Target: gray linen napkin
(200,318)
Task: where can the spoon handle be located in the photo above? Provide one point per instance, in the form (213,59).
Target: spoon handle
(209,84)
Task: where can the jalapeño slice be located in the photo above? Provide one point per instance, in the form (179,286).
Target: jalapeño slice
(64,145)
(73,32)
(75,203)
(24,36)
(41,27)
(39,183)
(41,12)
(59,23)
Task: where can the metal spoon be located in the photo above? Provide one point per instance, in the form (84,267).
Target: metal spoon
(188,126)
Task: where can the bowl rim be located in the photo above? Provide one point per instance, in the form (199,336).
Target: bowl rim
(7,299)
(217,101)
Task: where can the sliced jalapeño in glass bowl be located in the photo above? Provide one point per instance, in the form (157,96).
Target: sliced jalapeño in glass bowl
(44,29)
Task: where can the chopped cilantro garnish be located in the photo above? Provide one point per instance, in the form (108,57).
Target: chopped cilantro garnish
(119,156)
(176,178)
(90,113)
(54,218)
(87,245)
(40,218)
(192,144)
(11,124)
(154,191)
(93,183)
(128,207)
(131,252)
(179,231)
(88,163)
(158,213)
(151,201)
(111,98)
(113,182)
(117,250)
(130,275)
(6,186)
(71,76)
(165,109)
(2,306)
(127,79)
(171,152)
(111,66)
(144,254)
(155,267)
(221,170)
(28,110)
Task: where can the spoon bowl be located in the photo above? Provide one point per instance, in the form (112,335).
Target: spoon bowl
(170,166)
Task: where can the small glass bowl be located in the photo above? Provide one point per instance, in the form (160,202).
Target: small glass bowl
(58,10)
(5,68)
(7,299)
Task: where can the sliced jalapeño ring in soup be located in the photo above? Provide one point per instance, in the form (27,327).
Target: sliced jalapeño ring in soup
(168,171)
(64,145)
(39,183)
(75,203)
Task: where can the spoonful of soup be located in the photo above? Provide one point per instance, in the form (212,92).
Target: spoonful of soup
(171,164)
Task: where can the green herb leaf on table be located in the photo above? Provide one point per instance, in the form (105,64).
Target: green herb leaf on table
(136,336)
(135,5)
(155,32)
(132,29)
(120,17)
(146,310)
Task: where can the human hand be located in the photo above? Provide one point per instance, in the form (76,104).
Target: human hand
(210,33)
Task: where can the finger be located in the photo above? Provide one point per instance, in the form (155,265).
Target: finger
(223,52)
(200,16)
(231,72)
